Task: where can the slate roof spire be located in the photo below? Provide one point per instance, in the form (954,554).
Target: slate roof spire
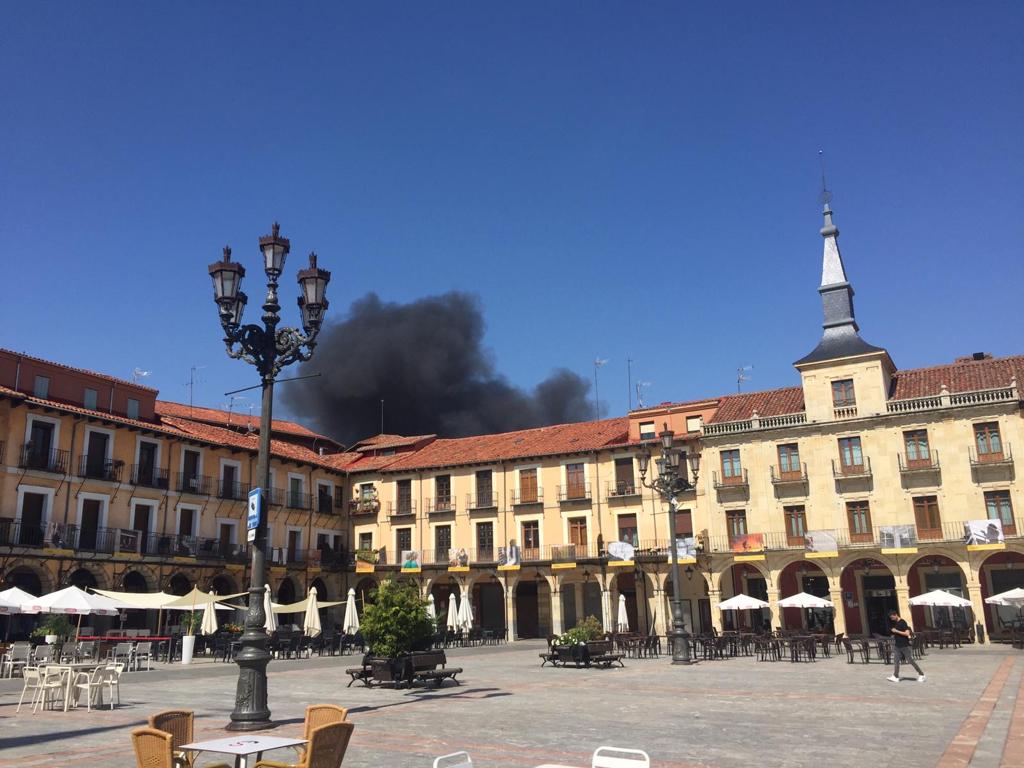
(840,337)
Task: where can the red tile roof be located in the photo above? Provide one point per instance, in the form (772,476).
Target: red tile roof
(225,419)
(390,442)
(773,402)
(526,443)
(963,376)
(85,371)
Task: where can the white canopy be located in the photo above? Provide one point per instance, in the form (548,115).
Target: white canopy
(465,613)
(73,600)
(742,603)
(194,600)
(939,598)
(431,608)
(197,599)
(1012,597)
(147,600)
(300,605)
(311,622)
(453,612)
(351,625)
(622,623)
(270,623)
(804,600)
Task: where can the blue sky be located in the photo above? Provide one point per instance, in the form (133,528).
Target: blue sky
(612,179)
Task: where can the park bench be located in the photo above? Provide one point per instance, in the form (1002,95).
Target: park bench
(600,653)
(431,666)
(361,673)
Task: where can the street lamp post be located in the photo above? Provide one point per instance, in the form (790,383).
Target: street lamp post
(269,349)
(671,480)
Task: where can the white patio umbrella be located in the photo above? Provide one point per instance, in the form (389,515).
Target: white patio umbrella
(209,624)
(453,612)
(7,607)
(270,624)
(622,622)
(804,600)
(431,608)
(74,601)
(939,598)
(351,625)
(1012,598)
(16,596)
(311,622)
(742,602)
(465,613)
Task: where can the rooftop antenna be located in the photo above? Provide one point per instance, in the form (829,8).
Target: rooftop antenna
(826,195)
(640,386)
(741,376)
(191,385)
(598,363)
(248,427)
(138,373)
(230,405)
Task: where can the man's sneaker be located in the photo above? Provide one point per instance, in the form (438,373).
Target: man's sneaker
(892,679)
(920,678)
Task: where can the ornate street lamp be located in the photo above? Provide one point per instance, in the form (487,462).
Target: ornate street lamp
(270,349)
(667,484)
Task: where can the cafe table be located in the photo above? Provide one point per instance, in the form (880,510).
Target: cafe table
(69,671)
(242,746)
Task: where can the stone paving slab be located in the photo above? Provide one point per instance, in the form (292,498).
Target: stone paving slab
(511,712)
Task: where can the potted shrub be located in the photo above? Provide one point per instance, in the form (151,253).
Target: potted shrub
(190,624)
(54,628)
(393,626)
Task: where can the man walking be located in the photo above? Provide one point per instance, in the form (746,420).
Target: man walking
(901,636)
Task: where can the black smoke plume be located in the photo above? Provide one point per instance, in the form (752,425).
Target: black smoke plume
(427,362)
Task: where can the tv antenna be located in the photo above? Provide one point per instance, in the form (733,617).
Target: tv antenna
(138,373)
(191,385)
(230,405)
(741,376)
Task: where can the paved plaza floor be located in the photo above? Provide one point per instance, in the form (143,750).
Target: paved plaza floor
(511,712)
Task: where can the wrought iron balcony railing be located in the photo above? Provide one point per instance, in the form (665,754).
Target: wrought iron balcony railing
(574,492)
(148,476)
(54,461)
(197,485)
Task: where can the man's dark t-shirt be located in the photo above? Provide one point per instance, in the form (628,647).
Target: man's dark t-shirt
(902,641)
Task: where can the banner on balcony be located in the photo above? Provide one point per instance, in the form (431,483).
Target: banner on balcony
(411,561)
(363,567)
(686,550)
(458,558)
(898,539)
(508,557)
(820,544)
(620,550)
(984,534)
(748,542)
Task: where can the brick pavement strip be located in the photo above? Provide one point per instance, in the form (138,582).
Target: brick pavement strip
(510,712)
(961,748)
(1013,751)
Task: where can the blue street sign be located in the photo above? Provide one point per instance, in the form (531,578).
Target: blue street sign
(255,508)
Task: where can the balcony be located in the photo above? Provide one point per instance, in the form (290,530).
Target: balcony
(299,500)
(570,553)
(780,478)
(843,471)
(844,412)
(44,460)
(147,476)
(574,493)
(483,555)
(274,496)
(325,503)
(363,507)
(232,491)
(197,485)
(100,468)
(992,465)
(916,466)
(402,508)
(731,482)
(481,501)
(526,498)
(440,505)
(621,489)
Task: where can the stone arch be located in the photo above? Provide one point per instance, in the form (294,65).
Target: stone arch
(531,598)
(85,577)
(749,578)
(29,577)
(1000,572)
(366,589)
(179,583)
(868,584)
(134,581)
(224,584)
(939,569)
(801,575)
(321,589)
(488,600)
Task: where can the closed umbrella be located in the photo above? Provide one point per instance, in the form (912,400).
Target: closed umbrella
(453,612)
(311,623)
(431,608)
(804,600)
(465,613)
(622,623)
(270,624)
(939,598)
(351,616)
(209,623)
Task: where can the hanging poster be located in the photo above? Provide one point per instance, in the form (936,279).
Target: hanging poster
(411,561)
(984,533)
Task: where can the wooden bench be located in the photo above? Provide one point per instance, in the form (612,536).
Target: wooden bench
(431,666)
(600,652)
(363,673)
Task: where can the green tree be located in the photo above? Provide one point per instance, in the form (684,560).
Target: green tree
(397,621)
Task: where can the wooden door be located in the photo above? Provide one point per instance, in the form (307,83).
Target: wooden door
(89,528)
(141,524)
(33,509)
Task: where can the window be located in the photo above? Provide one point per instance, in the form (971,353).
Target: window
(628,530)
(528,491)
(228,478)
(850,456)
(916,443)
(999,507)
(485,542)
(732,473)
(646,430)
(186,521)
(684,524)
(842,394)
(926,515)
(41,387)
(324,498)
(403,540)
(443,492)
(789,462)
(294,545)
(578,532)
(625,485)
(295,493)
(986,438)
(693,423)
(366,540)
(146,470)
(736,522)
(403,497)
(90,398)
(858,515)
(485,489)
(796,525)
(190,471)
(575,485)
(531,539)
(442,543)
(367,492)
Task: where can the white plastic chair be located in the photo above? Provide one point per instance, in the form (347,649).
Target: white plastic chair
(16,657)
(612,757)
(93,683)
(144,651)
(46,686)
(454,760)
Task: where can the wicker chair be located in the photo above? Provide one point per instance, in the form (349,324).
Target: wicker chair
(177,723)
(327,745)
(152,748)
(316,716)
